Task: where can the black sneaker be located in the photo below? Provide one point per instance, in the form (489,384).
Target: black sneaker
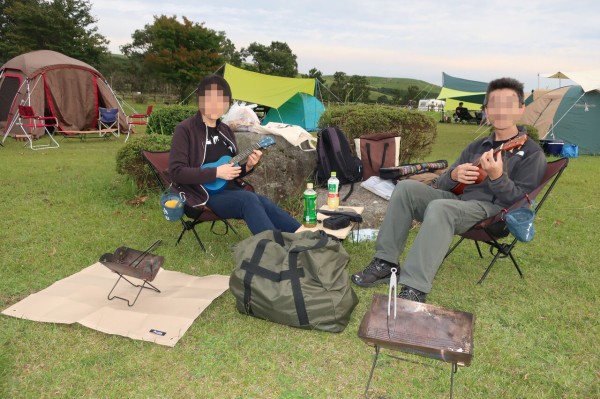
(378,272)
(412,294)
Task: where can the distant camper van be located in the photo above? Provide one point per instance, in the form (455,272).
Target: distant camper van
(431,105)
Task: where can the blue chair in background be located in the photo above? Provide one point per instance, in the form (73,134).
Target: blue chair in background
(108,122)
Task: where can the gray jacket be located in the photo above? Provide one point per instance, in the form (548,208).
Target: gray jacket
(523,171)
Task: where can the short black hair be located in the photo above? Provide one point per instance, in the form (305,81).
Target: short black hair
(506,83)
(214,80)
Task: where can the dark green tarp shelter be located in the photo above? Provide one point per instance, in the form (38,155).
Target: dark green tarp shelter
(455,90)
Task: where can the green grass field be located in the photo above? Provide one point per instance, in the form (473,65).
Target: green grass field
(536,337)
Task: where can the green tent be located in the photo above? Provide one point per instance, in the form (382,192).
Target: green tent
(291,99)
(302,110)
(568,113)
(455,90)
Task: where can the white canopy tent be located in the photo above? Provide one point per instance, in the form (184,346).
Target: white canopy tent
(588,80)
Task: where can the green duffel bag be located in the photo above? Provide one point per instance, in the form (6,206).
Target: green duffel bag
(296,279)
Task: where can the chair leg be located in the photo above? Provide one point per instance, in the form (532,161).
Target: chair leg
(182,233)
(515,263)
(454,247)
(231,227)
(198,238)
(478,249)
(489,267)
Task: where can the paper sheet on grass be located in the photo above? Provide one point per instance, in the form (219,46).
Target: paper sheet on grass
(82,298)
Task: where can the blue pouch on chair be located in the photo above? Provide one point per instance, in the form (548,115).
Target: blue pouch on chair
(520,223)
(569,151)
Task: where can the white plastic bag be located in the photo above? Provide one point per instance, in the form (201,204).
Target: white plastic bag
(241,116)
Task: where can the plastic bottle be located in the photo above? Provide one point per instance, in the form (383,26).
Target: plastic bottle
(309,218)
(333,196)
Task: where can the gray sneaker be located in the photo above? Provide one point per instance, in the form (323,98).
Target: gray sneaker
(378,272)
(412,294)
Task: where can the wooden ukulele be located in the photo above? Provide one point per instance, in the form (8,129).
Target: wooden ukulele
(219,185)
(509,145)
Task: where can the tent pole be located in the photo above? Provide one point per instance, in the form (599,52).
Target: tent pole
(334,96)
(116,98)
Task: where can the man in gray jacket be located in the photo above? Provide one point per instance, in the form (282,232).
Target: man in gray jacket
(443,213)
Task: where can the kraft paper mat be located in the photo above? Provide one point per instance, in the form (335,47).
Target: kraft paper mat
(82,298)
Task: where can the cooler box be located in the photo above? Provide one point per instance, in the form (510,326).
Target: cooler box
(552,146)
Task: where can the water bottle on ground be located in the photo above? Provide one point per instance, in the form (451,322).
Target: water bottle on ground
(333,196)
(309,218)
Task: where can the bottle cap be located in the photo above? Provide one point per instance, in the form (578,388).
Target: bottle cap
(309,185)
(333,173)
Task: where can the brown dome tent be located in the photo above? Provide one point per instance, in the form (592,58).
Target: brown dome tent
(54,85)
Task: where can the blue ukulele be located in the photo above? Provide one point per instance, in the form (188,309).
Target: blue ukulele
(219,185)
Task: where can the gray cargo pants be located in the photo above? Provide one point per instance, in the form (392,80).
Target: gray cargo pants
(442,214)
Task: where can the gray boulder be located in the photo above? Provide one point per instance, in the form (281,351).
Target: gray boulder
(284,170)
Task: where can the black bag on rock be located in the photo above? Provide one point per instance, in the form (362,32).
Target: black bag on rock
(335,155)
(296,279)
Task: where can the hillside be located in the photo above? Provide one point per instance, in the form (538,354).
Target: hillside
(382,86)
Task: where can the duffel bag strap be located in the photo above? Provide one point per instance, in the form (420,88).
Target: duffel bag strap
(295,278)
(253,268)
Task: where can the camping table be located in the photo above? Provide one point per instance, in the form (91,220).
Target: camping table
(341,233)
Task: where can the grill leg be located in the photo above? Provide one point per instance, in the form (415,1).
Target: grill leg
(453,370)
(372,369)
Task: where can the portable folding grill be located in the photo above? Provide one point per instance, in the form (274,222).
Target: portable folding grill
(418,328)
(133,263)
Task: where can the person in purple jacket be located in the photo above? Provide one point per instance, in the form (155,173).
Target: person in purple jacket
(203,139)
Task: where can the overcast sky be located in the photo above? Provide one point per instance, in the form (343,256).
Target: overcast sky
(478,40)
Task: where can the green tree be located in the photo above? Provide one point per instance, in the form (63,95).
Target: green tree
(65,26)
(340,86)
(314,73)
(276,59)
(359,89)
(413,91)
(178,53)
(231,55)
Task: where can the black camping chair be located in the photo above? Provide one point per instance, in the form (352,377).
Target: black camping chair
(490,231)
(159,164)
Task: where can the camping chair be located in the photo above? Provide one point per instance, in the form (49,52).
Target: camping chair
(490,231)
(137,119)
(108,121)
(159,163)
(28,120)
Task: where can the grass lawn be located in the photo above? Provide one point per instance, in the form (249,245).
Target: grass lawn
(536,337)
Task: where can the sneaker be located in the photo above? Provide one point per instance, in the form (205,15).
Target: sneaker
(378,272)
(412,294)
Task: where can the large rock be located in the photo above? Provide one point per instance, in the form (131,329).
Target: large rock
(283,170)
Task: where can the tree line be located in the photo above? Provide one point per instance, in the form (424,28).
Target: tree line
(167,56)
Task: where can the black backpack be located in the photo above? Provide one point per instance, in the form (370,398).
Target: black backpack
(334,155)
